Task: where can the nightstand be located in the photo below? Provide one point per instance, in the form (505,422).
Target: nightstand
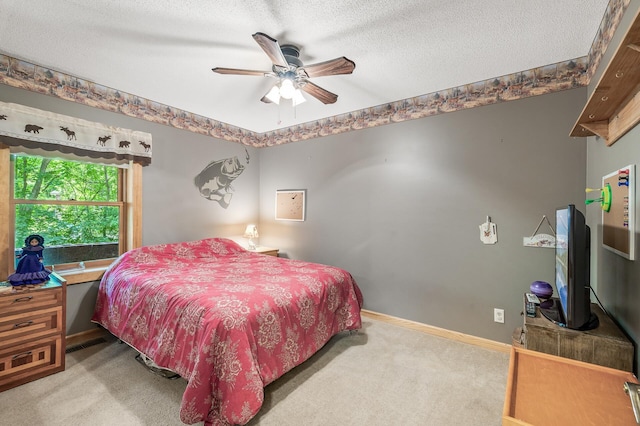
(269,251)
(32,331)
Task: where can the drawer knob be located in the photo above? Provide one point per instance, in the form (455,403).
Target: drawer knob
(23,299)
(22,324)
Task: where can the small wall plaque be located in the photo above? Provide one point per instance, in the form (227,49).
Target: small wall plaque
(290,204)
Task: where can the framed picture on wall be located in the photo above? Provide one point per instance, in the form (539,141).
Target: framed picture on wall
(618,221)
(290,204)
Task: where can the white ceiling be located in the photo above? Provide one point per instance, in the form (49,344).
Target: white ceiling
(164,50)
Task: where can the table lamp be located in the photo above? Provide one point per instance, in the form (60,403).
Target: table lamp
(251,232)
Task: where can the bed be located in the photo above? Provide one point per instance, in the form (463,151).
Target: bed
(228,320)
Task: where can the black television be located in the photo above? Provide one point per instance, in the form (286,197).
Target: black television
(572,307)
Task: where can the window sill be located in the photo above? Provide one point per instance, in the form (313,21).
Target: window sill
(83,275)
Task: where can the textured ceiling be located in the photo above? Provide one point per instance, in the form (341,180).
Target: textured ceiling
(164,51)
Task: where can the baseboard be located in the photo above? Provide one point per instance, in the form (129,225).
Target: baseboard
(85,336)
(440,332)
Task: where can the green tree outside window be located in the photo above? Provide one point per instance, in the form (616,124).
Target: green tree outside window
(67,202)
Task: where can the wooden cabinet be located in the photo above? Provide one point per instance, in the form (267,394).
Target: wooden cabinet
(548,390)
(32,331)
(269,251)
(605,345)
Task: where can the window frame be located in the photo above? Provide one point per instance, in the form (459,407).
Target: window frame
(130,202)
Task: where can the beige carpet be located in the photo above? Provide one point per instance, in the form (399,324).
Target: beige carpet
(383,375)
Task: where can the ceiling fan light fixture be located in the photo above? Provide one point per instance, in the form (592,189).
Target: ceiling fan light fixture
(292,74)
(287,89)
(274,95)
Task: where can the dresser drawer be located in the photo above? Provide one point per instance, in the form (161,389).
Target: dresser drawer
(30,361)
(29,301)
(15,329)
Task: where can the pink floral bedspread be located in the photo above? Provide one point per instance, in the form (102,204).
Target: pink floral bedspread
(228,320)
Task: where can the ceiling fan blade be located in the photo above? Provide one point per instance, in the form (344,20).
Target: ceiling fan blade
(236,71)
(333,67)
(323,95)
(271,48)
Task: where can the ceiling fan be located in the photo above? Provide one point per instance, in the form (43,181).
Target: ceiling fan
(293,76)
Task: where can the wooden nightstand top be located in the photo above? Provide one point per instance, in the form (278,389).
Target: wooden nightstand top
(270,251)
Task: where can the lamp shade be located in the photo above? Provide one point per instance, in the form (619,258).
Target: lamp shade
(287,90)
(251,232)
(274,95)
(297,98)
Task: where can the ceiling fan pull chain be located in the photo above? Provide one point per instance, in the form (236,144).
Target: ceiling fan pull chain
(279,108)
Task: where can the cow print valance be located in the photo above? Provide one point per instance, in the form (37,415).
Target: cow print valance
(35,129)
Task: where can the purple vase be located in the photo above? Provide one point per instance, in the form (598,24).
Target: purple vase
(541,289)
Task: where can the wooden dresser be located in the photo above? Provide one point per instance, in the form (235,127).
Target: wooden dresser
(32,331)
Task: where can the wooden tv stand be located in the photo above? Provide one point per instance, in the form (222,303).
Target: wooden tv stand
(548,390)
(605,345)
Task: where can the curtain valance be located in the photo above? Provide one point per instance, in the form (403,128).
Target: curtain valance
(35,129)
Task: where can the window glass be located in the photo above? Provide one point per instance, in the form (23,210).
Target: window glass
(38,178)
(75,206)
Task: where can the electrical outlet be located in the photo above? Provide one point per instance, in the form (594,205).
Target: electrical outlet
(498,315)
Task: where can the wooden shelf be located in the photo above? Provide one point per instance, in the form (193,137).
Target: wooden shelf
(614,106)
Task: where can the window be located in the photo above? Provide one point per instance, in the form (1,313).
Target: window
(77,207)
(88,213)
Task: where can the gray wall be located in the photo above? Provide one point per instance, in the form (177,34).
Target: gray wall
(616,278)
(81,300)
(399,207)
(173,209)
